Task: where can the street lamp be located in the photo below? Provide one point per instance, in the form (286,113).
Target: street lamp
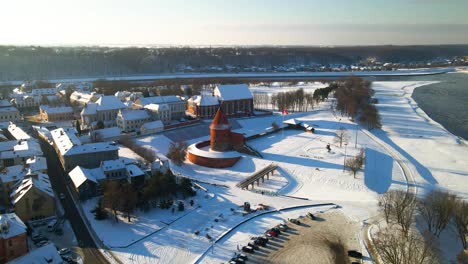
(344,160)
(357,129)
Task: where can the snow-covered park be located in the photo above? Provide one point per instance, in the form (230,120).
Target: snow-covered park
(429,154)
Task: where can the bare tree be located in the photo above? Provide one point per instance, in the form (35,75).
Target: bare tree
(112,197)
(398,207)
(460,220)
(444,206)
(128,200)
(354,164)
(341,136)
(177,152)
(395,248)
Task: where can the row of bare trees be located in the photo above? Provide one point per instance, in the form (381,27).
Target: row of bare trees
(354,99)
(145,152)
(120,197)
(438,210)
(296,100)
(177,152)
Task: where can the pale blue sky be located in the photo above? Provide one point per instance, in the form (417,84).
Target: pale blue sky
(239,22)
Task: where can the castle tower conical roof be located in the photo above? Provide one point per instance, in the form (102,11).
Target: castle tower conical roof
(220,121)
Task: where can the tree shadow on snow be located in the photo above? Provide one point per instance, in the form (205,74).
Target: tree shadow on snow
(378,171)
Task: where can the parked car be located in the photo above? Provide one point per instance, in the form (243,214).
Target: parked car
(276,229)
(237,260)
(242,256)
(42,243)
(355,254)
(64,251)
(272,233)
(259,242)
(250,244)
(295,221)
(283,227)
(51,225)
(311,216)
(247,249)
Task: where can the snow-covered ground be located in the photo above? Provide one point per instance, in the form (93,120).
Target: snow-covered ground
(307,170)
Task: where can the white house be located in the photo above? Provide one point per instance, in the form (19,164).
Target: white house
(105,109)
(132,120)
(160,112)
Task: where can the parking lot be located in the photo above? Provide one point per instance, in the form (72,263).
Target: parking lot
(313,241)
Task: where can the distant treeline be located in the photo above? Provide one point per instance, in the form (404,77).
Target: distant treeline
(35,63)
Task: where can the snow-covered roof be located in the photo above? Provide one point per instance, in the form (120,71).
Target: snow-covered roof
(17,132)
(110,132)
(134,171)
(109,102)
(157,107)
(229,92)
(130,114)
(8,109)
(47,254)
(37,180)
(153,125)
(7,145)
(69,144)
(56,109)
(43,131)
(5,103)
(24,148)
(89,109)
(168,99)
(13,173)
(204,100)
(212,154)
(79,175)
(11,226)
(292,121)
(37,163)
(111,165)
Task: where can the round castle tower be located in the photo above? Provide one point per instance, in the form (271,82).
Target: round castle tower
(220,132)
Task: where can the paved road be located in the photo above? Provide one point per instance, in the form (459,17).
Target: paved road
(57,178)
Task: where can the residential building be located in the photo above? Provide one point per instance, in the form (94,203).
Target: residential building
(26,101)
(47,254)
(17,152)
(160,112)
(152,127)
(235,99)
(105,109)
(130,120)
(204,105)
(82,98)
(8,112)
(32,197)
(73,153)
(58,113)
(17,133)
(176,104)
(88,182)
(13,238)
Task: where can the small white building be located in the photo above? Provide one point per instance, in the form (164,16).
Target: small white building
(176,104)
(152,127)
(160,112)
(132,120)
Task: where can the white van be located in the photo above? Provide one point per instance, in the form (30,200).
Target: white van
(51,225)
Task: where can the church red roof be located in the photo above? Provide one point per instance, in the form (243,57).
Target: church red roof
(220,120)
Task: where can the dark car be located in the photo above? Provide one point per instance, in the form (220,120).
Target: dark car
(283,227)
(237,260)
(276,229)
(311,216)
(247,249)
(259,242)
(295,221)
(243,257)
(250,244)
(355,254)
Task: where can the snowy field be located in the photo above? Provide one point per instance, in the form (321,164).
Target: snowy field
(435,158)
